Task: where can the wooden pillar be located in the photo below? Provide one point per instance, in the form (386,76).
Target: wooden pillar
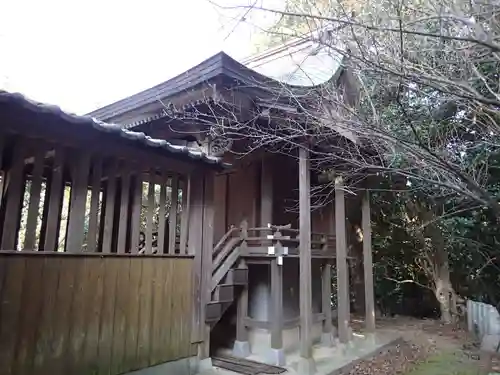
(162,213)
(94,205)
(136,213)
(368,263)
(14,191)
(206,264)
(241,346)
(123,230)
(78,201)
(306,363)
(54,208)
(327,337)
(266,193)
(342,275)
(194,248)
(277,354)
(150,211)
(186,192)
(172,217)
(34,200)
(109,209)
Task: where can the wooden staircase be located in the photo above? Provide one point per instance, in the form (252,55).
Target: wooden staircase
(228,274)
(225,293)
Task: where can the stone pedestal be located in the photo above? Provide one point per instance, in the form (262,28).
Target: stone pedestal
(306,366)
(276,357)
(241,349)
(205,364)
(327,339)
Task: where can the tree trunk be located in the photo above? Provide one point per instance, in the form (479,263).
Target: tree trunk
(437,267)
(443,295)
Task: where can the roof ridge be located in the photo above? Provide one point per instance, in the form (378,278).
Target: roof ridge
(102,111)
(273,50)
(310,36)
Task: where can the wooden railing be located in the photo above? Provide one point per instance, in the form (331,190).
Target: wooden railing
(226,252)
(289,237)
(67,200)
(241,241)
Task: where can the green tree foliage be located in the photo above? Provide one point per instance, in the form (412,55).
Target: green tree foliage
(428,110)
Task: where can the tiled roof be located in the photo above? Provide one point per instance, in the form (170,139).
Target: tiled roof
(302,62)
(304,66)
(210,68)
(19,100)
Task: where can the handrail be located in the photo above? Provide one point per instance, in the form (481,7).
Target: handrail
(224,238)
(287,228)
(226,262)
(226,253)
(227,250)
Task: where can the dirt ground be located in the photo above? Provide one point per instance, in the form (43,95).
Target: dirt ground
(430,348)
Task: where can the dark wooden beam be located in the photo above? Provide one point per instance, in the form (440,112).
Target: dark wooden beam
(123,230)
(162,217)
(109,209)
(195,244)
(94,204)
(186,193)
(79,186)
(241,346)
(150,214)
(260,251)
(97,142)
(252,323)
(13,194)
(342,275)
(276,305)
(34,199)
(172,217)
(368,263)
(306,363)
(327,338)
(207,250)
(266,192)
(136,213)
(55,202)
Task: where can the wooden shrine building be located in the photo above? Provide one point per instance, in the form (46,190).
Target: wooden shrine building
(105,234)
(272,255)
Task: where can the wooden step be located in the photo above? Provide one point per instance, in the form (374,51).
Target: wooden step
(223,293)
(213,311)
(236,276)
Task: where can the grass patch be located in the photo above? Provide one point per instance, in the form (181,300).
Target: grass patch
(446,363)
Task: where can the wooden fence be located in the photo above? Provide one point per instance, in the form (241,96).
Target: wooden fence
(56,198)
(87,314)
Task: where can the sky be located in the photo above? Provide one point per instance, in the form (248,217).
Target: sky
(82,55)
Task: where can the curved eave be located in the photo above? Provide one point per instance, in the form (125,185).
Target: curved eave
(303,65)
(218,65)
(168,149)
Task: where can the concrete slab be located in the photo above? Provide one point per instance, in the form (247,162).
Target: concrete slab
(339,359)
(332,360)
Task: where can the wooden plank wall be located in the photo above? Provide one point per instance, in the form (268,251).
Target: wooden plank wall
(89,314)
